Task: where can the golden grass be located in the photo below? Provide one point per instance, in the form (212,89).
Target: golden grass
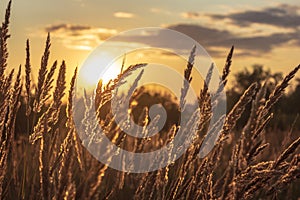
(44,158)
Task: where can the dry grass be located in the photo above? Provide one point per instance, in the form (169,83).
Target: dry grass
(41,156)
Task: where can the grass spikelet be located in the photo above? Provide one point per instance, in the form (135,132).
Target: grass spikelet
(7,84)
(262,127)
(204,91)
(42,75)
(52,113)
(106,93)
(69,115)
(4,35)
(239,108)
(70,192)
(3,165)
(43,165)
(292,148)
(58,93)
(187,77)
(278,91)
(48,85)
(226,68)
(27,79)
(223,80)
(256,151)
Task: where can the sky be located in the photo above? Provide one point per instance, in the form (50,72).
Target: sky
(263,32)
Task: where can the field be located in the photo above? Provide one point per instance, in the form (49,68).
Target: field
(42,156)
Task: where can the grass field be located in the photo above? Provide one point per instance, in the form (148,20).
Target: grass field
(42,157)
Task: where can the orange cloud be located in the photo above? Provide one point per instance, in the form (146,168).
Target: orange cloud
(80,37)
(191,15)
(124,15)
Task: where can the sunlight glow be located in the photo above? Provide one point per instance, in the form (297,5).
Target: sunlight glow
(112,72)
(94,71)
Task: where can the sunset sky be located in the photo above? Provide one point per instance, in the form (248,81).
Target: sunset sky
(263,32)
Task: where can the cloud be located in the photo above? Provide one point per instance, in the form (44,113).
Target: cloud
(67,27)
(253,32)
(211,38)
(215,40)
(82,37)
(215,37)
(284,15)
(191,15)
(124,15)
(204,35)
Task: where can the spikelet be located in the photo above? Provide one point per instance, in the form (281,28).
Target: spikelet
(288,137)
(27,79)
(256,151)
(70,192)
(223,80)
(134,86)
(42,75)
(187,77)
(226,68)
(43,164)
(60,86)
(52,114)
(13,107)
(106,92)
(47,85)
(4,35)
(261,127)
(204,91)
(70,100)
(66,161)
(204,100)
(286,178)
(7,85)
(278,92)
(239,108)
(58,93)
(292,148)
(93,191)
(5,100)
(3,165)
(257,104)
(69,114)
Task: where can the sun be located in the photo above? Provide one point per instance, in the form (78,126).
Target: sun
(103,67)
(112,72)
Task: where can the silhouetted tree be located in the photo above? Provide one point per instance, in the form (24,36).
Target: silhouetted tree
(244,79)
